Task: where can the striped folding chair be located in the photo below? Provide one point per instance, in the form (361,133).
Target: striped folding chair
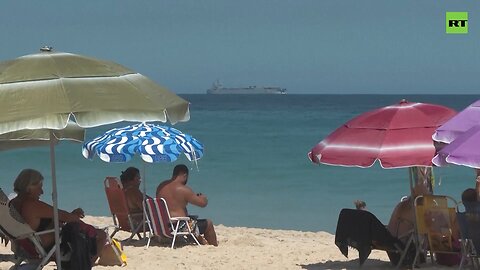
(164,225)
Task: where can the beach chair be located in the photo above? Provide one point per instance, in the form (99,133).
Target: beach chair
(164,225)
(435,218)
(469,224)
(122,218)
(25,243)
(362,230)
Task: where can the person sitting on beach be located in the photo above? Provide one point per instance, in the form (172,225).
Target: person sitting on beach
(39,215)
(469,195)
(402,220)
(178,195)
(131,187)
(360,205)
(470,200)
(402,224)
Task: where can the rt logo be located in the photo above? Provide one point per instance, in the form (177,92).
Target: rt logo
(457,22)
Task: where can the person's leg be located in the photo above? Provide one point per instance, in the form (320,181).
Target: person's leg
(210,234)
(101,241)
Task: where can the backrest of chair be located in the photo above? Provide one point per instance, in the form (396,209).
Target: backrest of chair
(425,204)
(11,223)
(159,216)
(117,202)
(435,215)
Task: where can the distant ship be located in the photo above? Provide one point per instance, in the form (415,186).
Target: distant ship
(217,88)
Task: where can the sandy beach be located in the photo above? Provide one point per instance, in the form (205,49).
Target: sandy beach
(240,248)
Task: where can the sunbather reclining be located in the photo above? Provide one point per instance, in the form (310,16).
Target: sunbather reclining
(39,215)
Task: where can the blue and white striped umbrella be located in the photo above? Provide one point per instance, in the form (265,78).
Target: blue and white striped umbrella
(154,143)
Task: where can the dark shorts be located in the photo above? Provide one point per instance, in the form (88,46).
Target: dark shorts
(202,225)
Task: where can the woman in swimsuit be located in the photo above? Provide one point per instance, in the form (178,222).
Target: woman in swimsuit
(39,215)
(131,187)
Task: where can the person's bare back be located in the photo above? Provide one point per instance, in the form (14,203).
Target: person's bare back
(178,195)
(171,192)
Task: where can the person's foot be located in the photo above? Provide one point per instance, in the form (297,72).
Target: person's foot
(202,240)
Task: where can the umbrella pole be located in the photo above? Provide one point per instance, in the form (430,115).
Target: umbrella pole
(144,218)
(55,201)
(410,174)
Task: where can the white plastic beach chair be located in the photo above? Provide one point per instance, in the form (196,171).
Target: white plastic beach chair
(164,225)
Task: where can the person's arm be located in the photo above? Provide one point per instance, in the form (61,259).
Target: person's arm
(138,199)
(197,199)
(44,210)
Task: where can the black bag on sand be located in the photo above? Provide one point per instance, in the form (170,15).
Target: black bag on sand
(78,246)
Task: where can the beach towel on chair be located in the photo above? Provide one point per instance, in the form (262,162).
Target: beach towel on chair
(361,230)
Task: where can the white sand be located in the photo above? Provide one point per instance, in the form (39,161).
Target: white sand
(241,248)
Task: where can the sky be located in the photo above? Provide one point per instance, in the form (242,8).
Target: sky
(307,47)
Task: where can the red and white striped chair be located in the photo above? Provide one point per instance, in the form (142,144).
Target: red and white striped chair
(164,225)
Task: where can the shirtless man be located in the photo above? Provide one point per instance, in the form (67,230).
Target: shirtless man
(402,220)
(177,194)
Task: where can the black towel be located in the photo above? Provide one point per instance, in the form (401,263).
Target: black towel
(361,230)
(78,246)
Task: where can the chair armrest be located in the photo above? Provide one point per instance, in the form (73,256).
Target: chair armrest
(45,232)
(180,219)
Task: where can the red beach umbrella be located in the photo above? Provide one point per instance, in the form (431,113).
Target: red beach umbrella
(397,136)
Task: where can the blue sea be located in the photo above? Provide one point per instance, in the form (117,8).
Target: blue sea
(255,170)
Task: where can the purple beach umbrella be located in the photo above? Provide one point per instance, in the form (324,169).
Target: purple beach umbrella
(464,150)
(460,123)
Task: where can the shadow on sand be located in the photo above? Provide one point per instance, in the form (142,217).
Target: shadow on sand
(157,241)
(353,264)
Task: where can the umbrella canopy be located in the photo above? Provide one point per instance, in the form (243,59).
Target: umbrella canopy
(458,124)
(464,150)
(46,89)
(154,143)
(397,136)
(40,137)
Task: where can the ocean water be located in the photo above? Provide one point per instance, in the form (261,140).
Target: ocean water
(255,171)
